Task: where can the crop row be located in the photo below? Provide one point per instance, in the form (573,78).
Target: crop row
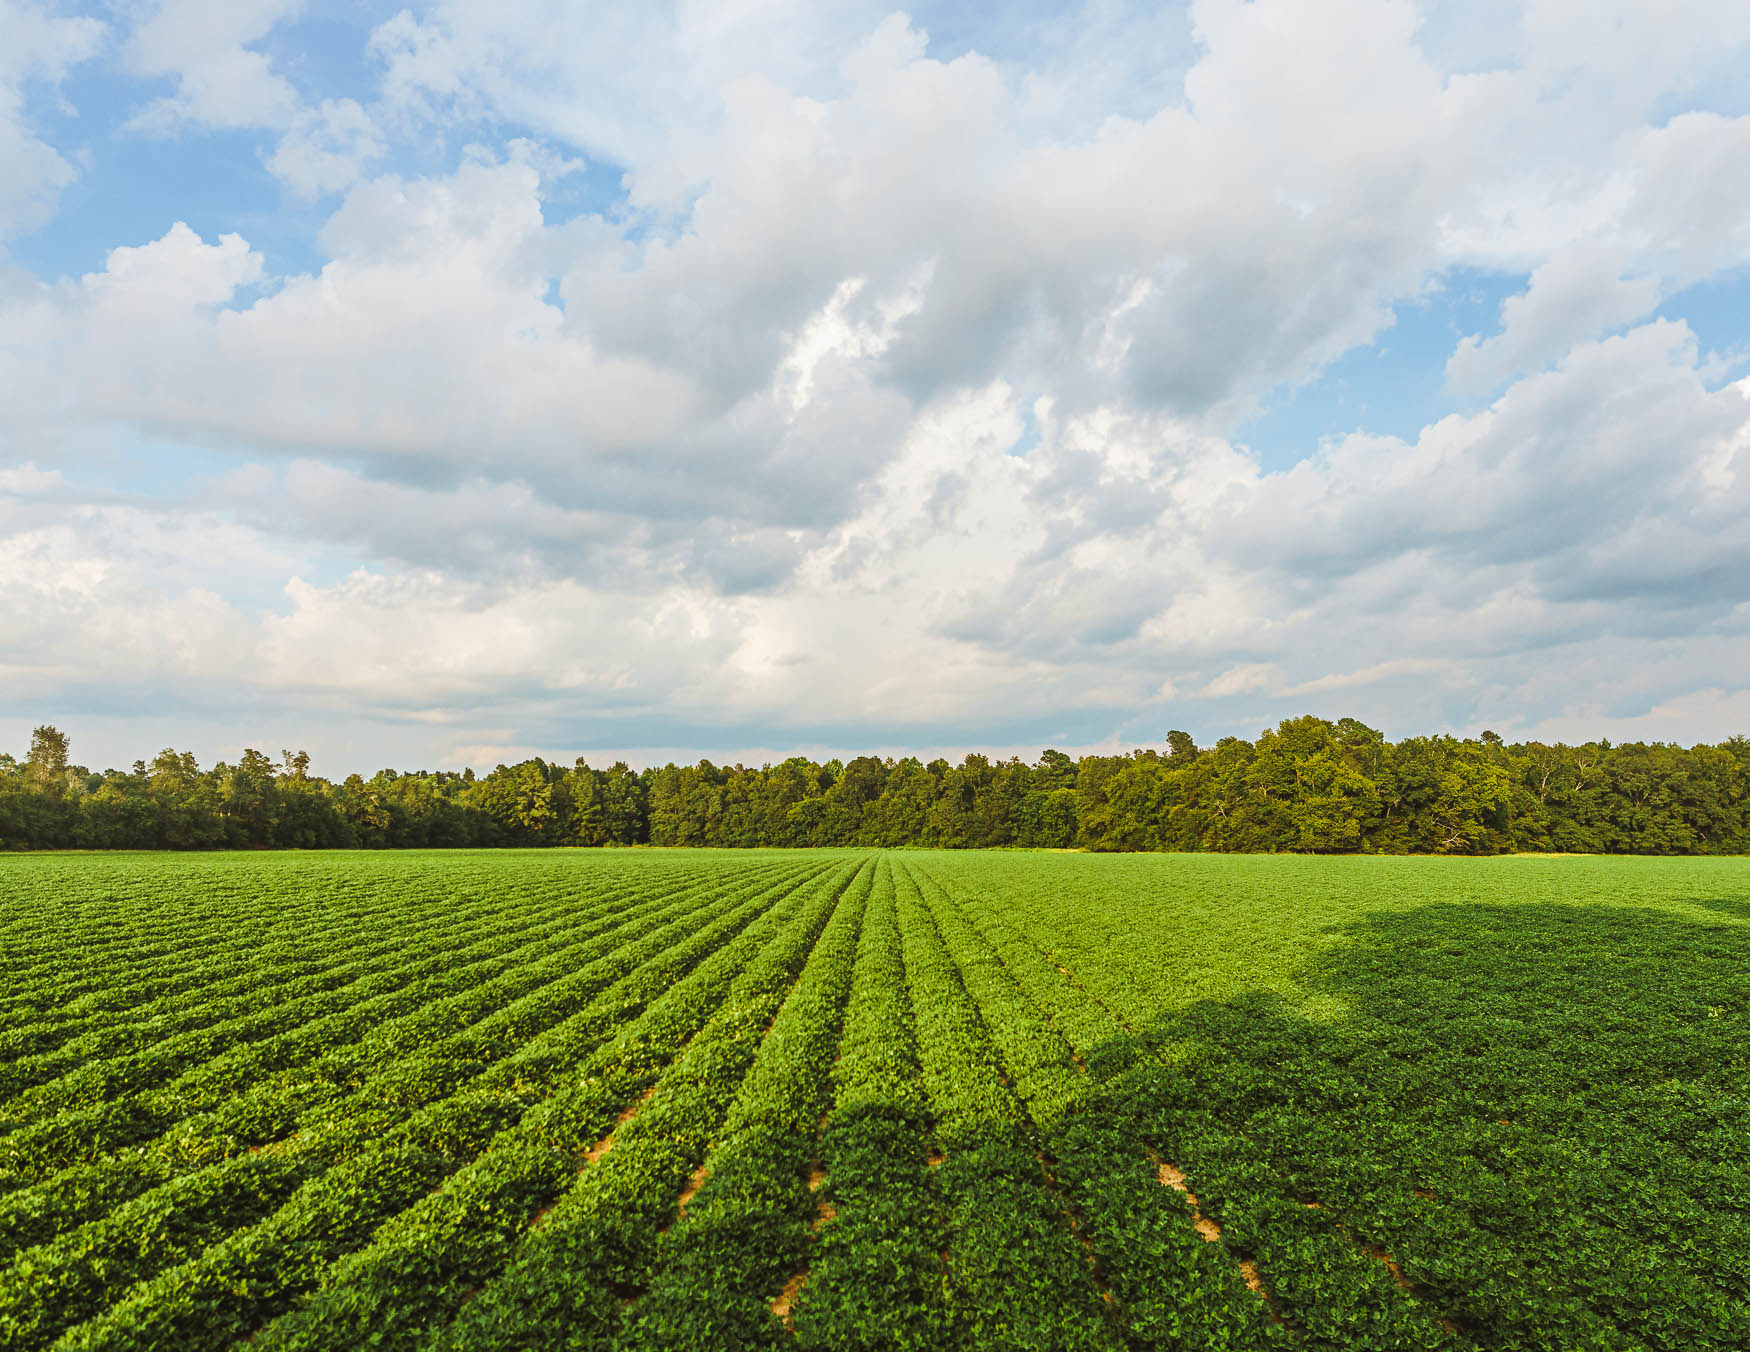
(242,1100)
(554,1084)
(1169,1287)
(566,1281)
(745,1230)
(413,1275)
(203,974)
(167,935)
(1330,1292)
(156,932)
(671,1102)
(125,1056)
(425,1112)
(875,1278)
(1002,1217)
(1448,1151)
(231,981)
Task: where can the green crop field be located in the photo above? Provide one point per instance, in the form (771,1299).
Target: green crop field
(843,1099)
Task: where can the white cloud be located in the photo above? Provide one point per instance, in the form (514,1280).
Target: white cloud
(896,400)
(32,172)
(873,637)
(205,46)
(41,45)
(1695,716)
(1244,679)
(42,42)
(326,148)
(619,80)
(1691,208)
(1365,676)
(1575,296)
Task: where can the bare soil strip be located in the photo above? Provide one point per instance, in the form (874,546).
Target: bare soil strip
(786,1299)
(824,1212)
(1381,1255)
(601,1147)
(691,1191)
(1174,1177)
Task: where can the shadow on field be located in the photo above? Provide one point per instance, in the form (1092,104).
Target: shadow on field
(1449,1005)
(1733,906)
(1539,1109)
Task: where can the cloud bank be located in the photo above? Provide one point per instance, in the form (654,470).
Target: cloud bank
(757,376)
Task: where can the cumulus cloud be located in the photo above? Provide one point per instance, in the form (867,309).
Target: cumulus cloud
(1240,680)
(1576,295)
(207,48)
(326,148)
(42,45)
(894,391)
(32,172)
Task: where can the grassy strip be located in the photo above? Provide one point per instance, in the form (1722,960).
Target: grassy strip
(565,1284)
(1002,1220)
(747,1227)
(370,1145)
(875,1277)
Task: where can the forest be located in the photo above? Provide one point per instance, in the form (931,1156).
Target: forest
(1309,785)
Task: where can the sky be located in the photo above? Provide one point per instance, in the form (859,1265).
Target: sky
(445,384)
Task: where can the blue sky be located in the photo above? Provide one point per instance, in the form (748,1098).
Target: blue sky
(434,384)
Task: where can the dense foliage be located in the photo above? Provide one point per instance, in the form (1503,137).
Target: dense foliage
(1308,785)
(843,1100)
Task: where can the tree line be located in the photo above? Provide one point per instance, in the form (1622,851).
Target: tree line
(1308,785)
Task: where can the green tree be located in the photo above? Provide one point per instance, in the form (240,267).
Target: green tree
(46,765)
(1181,747)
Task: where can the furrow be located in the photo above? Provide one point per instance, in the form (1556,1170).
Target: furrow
(1329,1293)
(875,1274)
(744,1218)
(93,997)
(1168,1287)
(424,1262)
(210,1013)
(360,1165)
(1002,1219)
(81,1129)
(82,1076)
(566,1282)
(208,1125)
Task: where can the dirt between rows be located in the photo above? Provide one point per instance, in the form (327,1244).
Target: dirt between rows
(1174,1178)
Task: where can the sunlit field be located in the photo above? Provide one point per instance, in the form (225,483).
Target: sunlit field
(851,1099)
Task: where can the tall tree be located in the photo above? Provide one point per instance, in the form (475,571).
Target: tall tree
(46,765)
